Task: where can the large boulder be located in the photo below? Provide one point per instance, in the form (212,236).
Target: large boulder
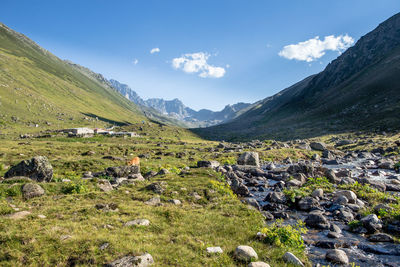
(249,158)
(318,146)
(32,190)
(292,259)
(245,253)
(317,220)
(337,256)
(38,168)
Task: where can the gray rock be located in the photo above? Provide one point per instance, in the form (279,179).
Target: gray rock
(157,187)
(32,190)
(371,223)
(245,253)
(104,185)
(252,202)
(214,250)
(136,177)
(291,258)
(249,158)
(317,220)
(163,171)
(275,197)
(208,164)
(122,171)
(317,193)
(381,237)
(133,261)
(138,222)
(258,264)
(341,200)
(153,201)
(307,203)
(175,202)
(350,195)
(318,146)
(38,168)
(337,256)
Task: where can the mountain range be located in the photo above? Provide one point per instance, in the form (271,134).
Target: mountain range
(177,110)
(360,90)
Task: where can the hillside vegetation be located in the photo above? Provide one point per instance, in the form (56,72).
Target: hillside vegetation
(36,87)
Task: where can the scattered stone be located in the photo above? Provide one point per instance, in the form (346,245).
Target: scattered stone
(104,185)
(163,171)
(122,171)
(104,246)
(317,193)
(337,256)
(318,146)
(214,250)
(245,253)
(18,215)
(41,216)
(208,164)
(381,237)
(133,261)
(291,258)
(175,202)
(138,222)
(153,201)
(157,187)
(32,190)
(258,264)
(249,158)
(371,223)
(350,195)
(38,168)
(307,203)
(317,220)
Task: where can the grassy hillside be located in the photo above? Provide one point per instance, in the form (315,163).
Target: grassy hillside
(36,87)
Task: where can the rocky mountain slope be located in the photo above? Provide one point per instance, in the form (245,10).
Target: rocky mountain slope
(177,110)
(360,90)
(38,89)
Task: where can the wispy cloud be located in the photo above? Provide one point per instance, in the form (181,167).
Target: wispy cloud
(135,61)
(155,50)
(315,48)
(197,63)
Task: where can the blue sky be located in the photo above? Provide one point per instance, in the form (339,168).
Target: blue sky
(211,53)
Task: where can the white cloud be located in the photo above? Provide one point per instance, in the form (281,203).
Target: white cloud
(315,48)
(135,61)
(197,63)
(155,50)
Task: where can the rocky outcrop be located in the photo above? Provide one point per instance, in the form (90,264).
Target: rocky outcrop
(38,169)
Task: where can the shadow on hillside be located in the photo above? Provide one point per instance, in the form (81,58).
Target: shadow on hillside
(117,123)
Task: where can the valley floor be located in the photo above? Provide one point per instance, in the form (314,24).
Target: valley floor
(76,223)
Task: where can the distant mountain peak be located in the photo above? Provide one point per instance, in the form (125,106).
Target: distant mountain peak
(177,110)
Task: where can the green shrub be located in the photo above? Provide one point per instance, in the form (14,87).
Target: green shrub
(229,161)
(74,188)
(5,208)
(397,166)
(281,235)
(354,224)
(222,188)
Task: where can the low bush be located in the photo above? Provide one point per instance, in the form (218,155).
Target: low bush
(75,188)
(285,235)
